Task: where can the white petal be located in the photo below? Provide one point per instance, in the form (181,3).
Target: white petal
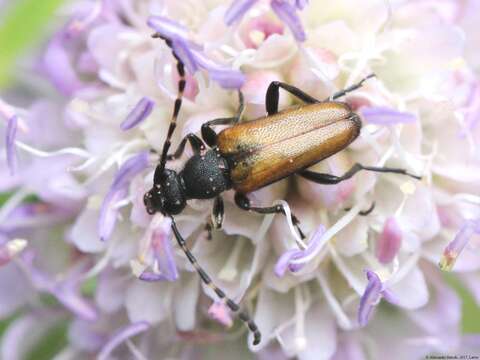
(273,309)
(411,291)
(352,240)
(84,232)
(185,299)
(321,334)
(148,301)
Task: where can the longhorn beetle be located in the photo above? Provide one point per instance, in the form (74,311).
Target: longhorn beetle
(248,156)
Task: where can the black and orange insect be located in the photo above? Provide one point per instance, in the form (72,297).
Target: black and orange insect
(250,155)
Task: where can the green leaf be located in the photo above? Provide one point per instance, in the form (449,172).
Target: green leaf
(22,27)
(470,309)
(51,344)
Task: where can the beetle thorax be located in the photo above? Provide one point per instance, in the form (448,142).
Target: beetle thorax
(205,175)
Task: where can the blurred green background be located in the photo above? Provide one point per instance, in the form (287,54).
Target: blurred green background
(26,24)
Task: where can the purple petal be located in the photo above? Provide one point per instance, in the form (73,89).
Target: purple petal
(284,260)
(191,54)
(59,68)
(380,115)
(84,336)
(186,54)
(138,114)
(108,213)
(118,191)
(300,4)
(150,276)
(389,241)
(120,336)
(370,298)
(162,248)
(287,13)
(456,246)
(82,21)
(68,295)
(168,28)
(226,77)
(33,215)
(237,10)
(11,133)
(65,291)
(164,267)
(131,168)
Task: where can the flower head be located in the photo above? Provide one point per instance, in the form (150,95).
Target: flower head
(74,227)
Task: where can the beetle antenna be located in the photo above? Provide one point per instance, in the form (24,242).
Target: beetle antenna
(177,106)
(243,315)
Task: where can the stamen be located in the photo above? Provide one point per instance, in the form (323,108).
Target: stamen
(120,336)
(229,270)
(10,143)
(11,249)
(288,215)
(300,310)
(138,114)
(334,305)
(135,351)
(65,151)
(456,246)
(12,203)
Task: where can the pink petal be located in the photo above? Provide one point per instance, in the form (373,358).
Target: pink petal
(389,241)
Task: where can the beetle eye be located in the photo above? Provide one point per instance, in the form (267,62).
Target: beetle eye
(153,200)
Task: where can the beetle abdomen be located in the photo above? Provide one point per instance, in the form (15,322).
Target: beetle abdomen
(268,149)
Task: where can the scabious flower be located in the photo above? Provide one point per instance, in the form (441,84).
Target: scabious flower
(74,228)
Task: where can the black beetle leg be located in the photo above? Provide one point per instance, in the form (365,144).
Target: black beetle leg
(364,212)
(217,213)
(208,229)
(208,281)
(243,202)
(271,98)
(349,89)
(197,145)
(209,135)
(328,179)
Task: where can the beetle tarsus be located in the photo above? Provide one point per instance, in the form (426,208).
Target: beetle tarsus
(350,88)
(244,203)
(328,179)
(364,212)
(233,306)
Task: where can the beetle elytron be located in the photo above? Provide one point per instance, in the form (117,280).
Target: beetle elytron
(251,155)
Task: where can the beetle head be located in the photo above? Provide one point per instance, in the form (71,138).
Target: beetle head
(167,195)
